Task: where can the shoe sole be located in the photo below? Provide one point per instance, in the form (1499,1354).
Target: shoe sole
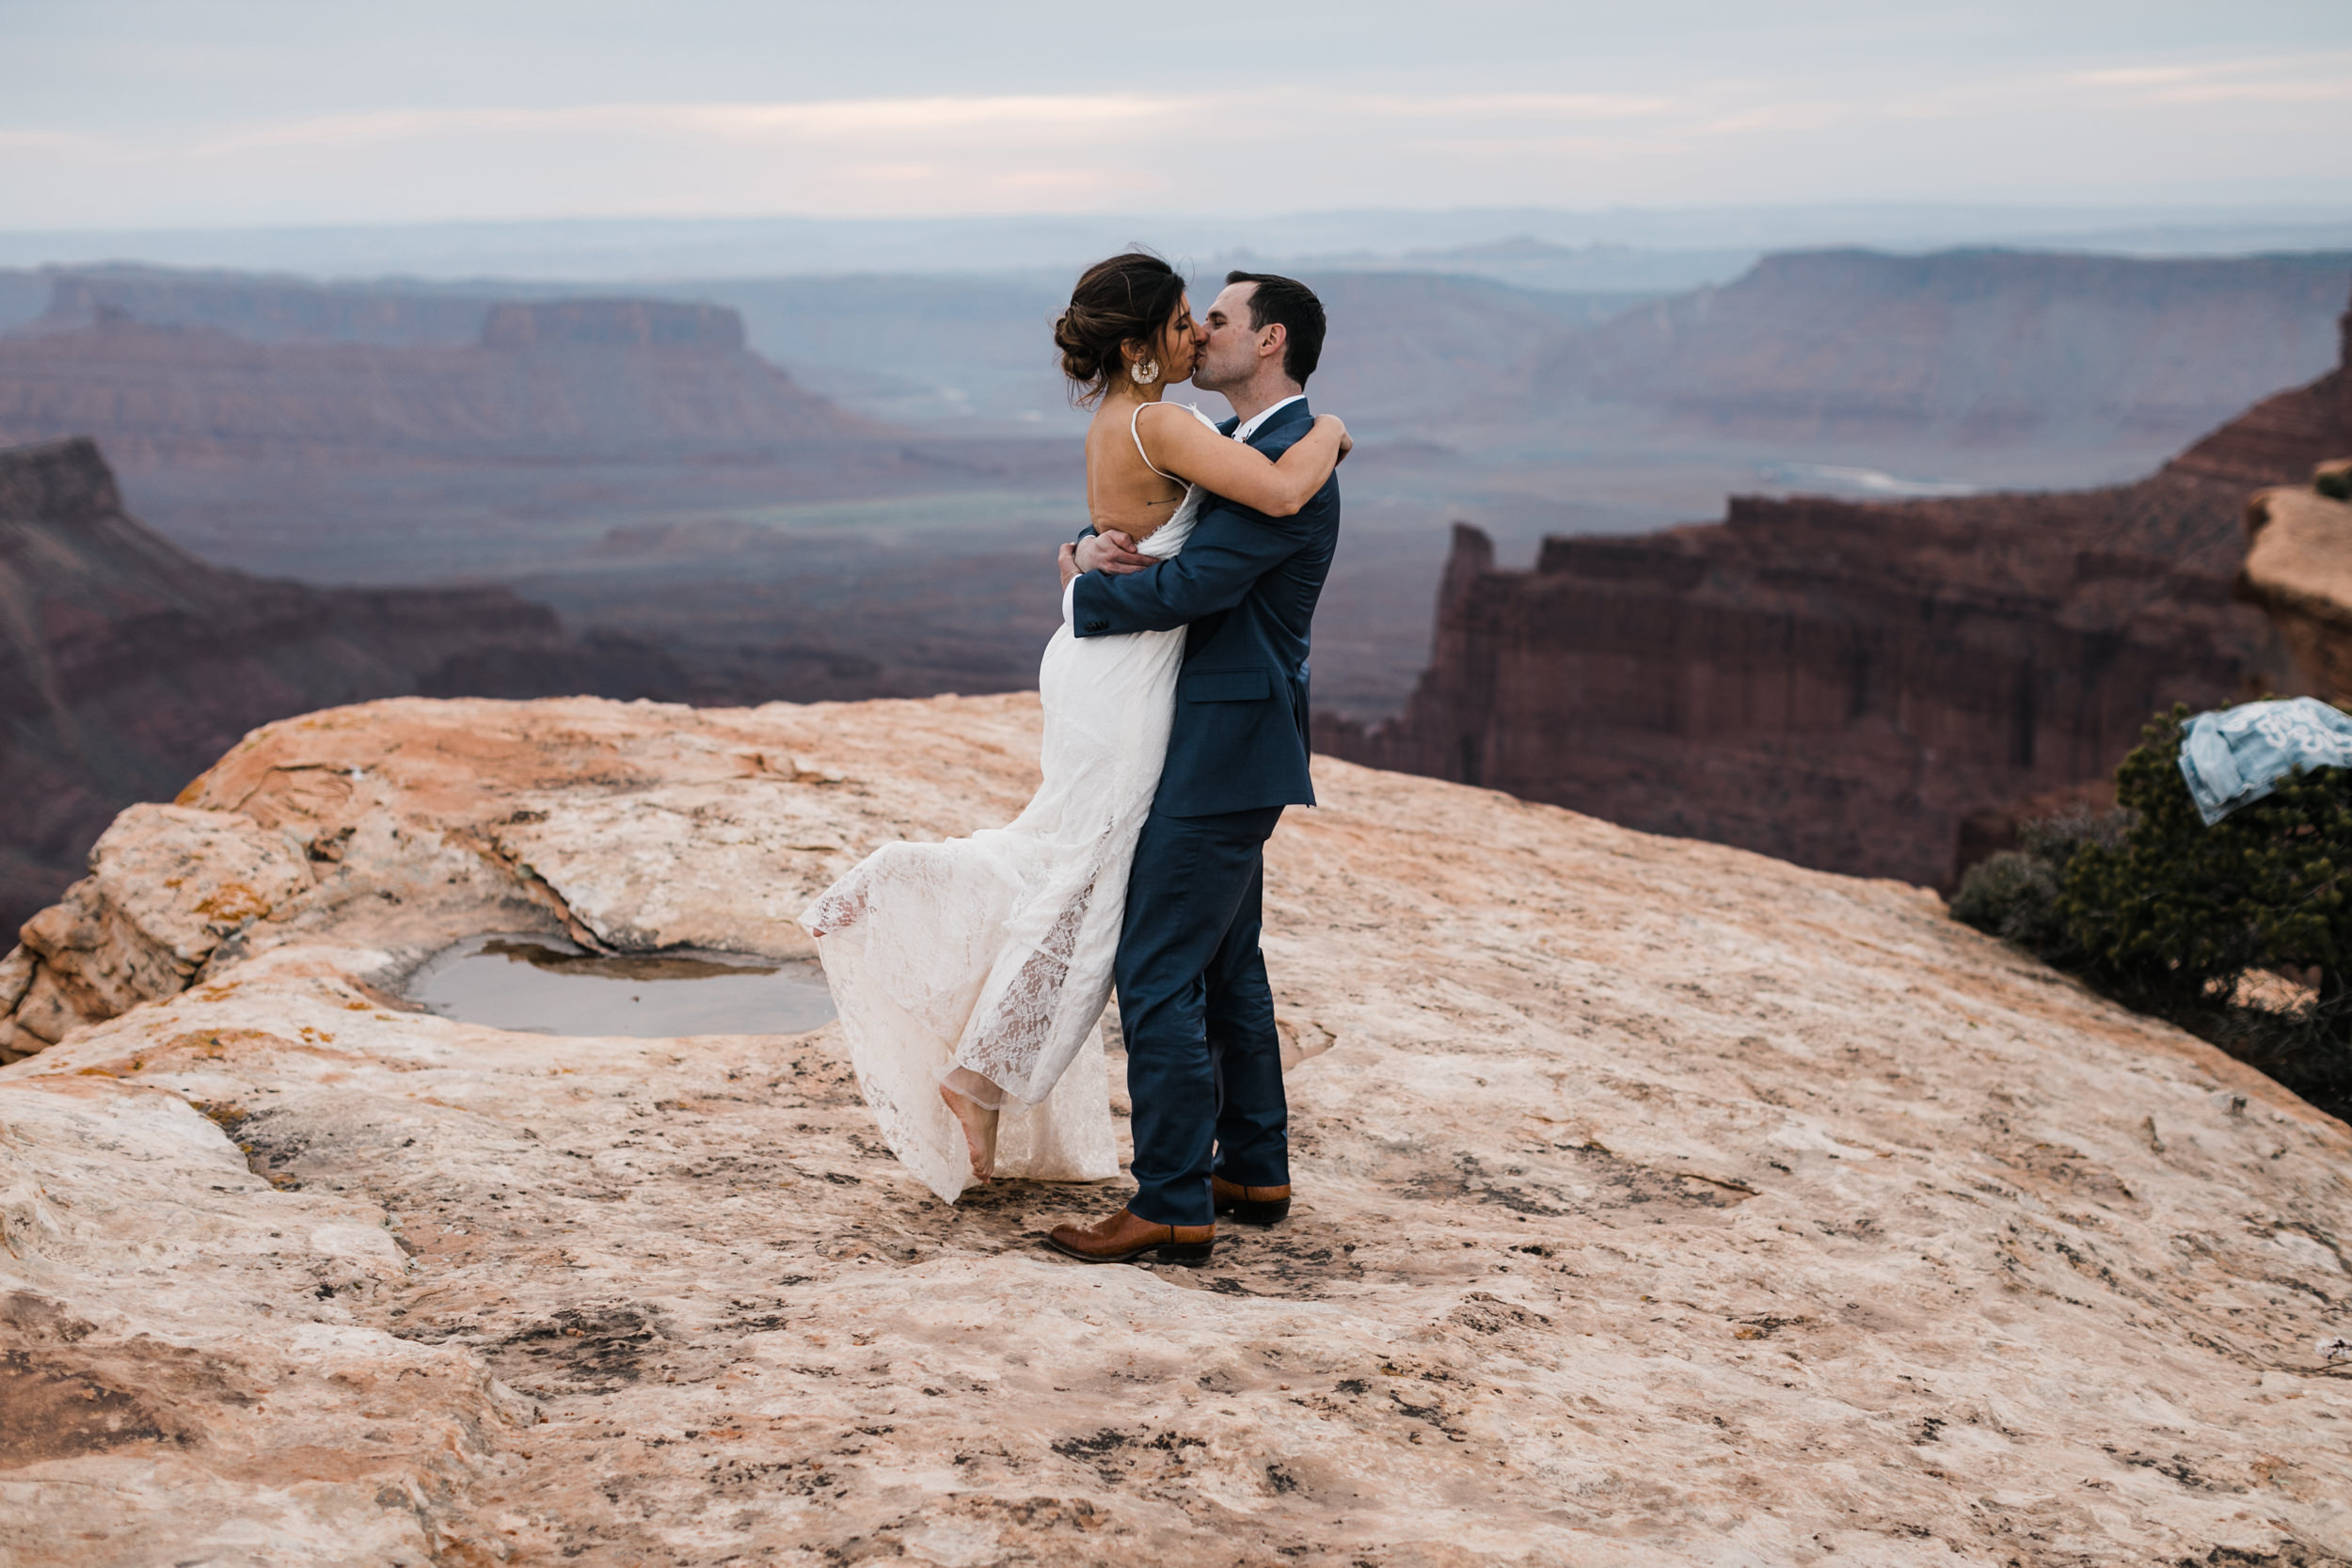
(1256,1213)
(1190,1254)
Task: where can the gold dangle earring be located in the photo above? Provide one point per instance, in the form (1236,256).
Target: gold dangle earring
(1144,372)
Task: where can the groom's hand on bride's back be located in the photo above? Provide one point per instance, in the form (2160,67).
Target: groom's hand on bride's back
(1110,552)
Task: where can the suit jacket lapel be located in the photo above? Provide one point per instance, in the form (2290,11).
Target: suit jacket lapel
(1293,414)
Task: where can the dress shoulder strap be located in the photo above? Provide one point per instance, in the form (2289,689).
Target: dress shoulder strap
(1133,430)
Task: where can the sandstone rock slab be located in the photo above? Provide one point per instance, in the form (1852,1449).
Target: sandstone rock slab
(168,885)
(2298,569)
(185,1376)
(1657,1203)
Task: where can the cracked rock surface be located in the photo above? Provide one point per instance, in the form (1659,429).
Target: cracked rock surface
(1658,1202)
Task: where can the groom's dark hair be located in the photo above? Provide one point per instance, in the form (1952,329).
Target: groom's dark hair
(1295,305)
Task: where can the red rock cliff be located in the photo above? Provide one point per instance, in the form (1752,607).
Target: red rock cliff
(1839,684)
(126,665)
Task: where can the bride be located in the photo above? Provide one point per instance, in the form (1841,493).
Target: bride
(970,977)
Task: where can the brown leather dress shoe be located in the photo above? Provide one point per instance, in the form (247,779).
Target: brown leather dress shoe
(1251,1205)
(1123,1237)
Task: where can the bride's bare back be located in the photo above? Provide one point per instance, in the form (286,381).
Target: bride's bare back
(1123,491)
(1141,454)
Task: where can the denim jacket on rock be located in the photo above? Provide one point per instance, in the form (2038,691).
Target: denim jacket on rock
(2236,755)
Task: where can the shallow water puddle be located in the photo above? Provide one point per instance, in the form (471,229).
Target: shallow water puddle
(545,986)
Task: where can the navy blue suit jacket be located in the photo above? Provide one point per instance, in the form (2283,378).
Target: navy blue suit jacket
(1245,585)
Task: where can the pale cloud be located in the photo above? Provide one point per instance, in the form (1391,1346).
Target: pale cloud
(834,118)
(1033,112)
(897,174)
(2282,79)
(1523,146)
(1496,106)
(884,119)
(1063,184)
(61,142)
(1779,116)
(382,128)
(2137,76)
(2325,91)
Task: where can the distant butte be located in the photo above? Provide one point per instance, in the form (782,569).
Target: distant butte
(602,379)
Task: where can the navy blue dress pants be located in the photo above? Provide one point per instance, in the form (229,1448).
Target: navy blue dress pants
(1205,1069)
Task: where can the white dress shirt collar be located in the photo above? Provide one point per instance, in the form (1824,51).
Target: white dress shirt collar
(1251,425)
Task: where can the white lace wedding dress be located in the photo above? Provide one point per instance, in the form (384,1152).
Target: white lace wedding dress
(985,962)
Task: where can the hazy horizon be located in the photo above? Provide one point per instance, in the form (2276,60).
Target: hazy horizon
(1622,249)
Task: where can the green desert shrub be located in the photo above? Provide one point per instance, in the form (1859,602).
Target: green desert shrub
(2167,915)
(2178,910)
(2013,895)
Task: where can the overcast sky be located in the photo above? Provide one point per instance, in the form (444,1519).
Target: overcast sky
(148,113)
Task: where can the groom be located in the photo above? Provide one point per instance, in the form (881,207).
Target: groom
(1205,1069)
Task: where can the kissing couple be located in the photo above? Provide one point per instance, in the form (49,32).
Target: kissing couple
(970,975)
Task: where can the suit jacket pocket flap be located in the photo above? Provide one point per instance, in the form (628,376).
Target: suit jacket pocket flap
(1225,686)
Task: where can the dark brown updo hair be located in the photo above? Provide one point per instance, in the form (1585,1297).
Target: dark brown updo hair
(1128,300)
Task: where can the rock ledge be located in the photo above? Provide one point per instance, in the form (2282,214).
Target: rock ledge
(1658,1203)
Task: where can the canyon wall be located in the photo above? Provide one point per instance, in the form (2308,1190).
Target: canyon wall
(1841,684)
(126,665)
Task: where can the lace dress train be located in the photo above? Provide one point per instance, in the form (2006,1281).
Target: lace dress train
(984,963)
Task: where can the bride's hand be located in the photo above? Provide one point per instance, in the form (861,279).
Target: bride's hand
(1346,444)
(1110,552)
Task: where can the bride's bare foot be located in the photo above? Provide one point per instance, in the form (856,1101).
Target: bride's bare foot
(978,1122)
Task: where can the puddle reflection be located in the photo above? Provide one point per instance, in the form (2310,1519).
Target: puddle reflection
(545,986)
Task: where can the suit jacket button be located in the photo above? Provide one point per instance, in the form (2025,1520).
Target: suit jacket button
(1096,626)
